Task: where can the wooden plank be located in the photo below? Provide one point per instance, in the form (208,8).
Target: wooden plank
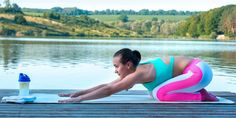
(117,110)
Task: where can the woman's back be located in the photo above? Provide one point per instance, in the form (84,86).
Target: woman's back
(179,65)
(180,62)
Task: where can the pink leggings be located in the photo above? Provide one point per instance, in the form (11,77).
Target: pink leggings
(185,87)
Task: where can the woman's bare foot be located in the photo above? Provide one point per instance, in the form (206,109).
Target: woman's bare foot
(206,96)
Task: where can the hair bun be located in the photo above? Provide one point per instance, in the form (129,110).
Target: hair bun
(137,54)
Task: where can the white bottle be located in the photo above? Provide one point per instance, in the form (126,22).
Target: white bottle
(24,81)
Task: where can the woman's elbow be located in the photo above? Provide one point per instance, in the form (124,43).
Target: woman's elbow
(109,90)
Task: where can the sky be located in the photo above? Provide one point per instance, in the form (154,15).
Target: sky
(184,5)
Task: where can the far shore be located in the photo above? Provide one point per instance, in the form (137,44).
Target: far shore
(172,38)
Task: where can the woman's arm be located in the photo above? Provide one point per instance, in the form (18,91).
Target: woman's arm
(107,90)
(82,92)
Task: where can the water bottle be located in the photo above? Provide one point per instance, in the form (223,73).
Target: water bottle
(24,81)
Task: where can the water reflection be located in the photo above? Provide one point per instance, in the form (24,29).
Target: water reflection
(10,55)
(50,60)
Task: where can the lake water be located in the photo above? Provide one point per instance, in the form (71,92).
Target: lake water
(80,64)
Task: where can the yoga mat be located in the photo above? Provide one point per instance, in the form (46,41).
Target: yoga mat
(53,98)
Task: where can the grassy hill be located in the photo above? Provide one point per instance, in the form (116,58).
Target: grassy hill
(65,26)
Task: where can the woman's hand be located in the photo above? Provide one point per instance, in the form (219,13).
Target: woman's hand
(71,100)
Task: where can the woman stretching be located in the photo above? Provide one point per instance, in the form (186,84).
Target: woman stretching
(168,79)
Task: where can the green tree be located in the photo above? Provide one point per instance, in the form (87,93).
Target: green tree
(19,19)
(123,18)
(146,26)
(155,27)
(192,29)
(213,35)
(200,26)
(144,12)
(7,31)
(182,28)
(168,28)
(52,15)
(227,24)
(212,19)
(16,8)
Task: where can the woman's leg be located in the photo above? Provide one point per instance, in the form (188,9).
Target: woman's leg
(186,86)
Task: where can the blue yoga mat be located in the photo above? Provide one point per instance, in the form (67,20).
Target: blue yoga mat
(53,98)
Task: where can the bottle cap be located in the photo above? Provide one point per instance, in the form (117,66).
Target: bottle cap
(23,78)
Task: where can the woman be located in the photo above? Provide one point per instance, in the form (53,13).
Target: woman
(168,79)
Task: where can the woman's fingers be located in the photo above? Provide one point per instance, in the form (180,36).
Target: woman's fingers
(72,100)
(63,101)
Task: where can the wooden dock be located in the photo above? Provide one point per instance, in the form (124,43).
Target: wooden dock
(117,110)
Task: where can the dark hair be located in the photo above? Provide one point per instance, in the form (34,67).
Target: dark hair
(128,55)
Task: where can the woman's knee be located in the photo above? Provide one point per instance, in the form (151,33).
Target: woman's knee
(160,95)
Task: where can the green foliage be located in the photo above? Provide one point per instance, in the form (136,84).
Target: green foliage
(7,31)
(216,21)
(29,33)
(123,18)
(227,23)
(146,26)
(182,28)
(82,21)
(115,18)
(19,19)
(213,35)
(192,28)
(212,19)
(231,34)
(154,19)
(168,28)
(52,15)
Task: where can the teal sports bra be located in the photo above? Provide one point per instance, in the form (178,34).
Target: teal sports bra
(164,72)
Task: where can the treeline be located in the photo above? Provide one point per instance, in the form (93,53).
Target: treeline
(212,23)
(142,12)
(76,11)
